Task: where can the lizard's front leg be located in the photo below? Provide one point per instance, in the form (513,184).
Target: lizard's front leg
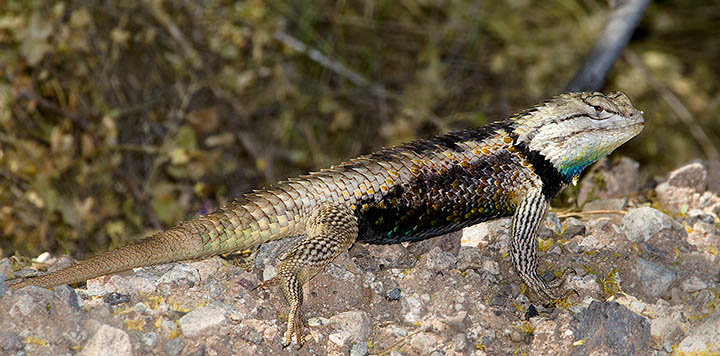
(330,230)
(528,216)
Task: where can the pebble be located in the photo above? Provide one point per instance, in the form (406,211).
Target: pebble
(693,176)
(696,215)
(610,328)
(10,341)
(318,321)
(439,260)
(340,338)
(360,349)
(174,347)
(394,294)
(663,330)
(475,236)
(693,284)
(704,338)
(491,266)
(654,279)
(643,224)
(201,319)
(181,273)
(107,341)
(413,309)
(572,227)
(355,323)
(587,282)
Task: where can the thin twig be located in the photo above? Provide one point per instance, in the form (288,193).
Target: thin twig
(616,34)
(331,64)
(590,212)
(401,341)
(676,105)
(158,11)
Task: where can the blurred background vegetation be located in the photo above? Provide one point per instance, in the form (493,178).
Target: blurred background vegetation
(117,118)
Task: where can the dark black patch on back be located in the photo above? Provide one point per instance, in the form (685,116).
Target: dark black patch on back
(450,140)
(435,203)
(553,181)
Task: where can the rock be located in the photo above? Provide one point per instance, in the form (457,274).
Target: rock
(665,332)
(608,179)
(552,337)
(654,279)
(612,329)
(476,236)
(340,338)
(693,176)
(438,260)
(713,178)
(589,243)
(586,283)
(318,321)
(447,243)
(490,266)
(10,342)
(108,341)
(459,342)
(68,296)
(572,227)
(693,284)
(181,274)
(394,294)
(468,257)
(424,343)
(174,347)
(697,215)
(360,349)
(199,320)
(686,188)
(704,338)
(551,224)
(643,224)
(355,323)
(413,309)
(269,272)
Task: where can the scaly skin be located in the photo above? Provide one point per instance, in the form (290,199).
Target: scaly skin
(405,193)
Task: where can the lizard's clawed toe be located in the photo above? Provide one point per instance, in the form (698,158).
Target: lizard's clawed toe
(293,336)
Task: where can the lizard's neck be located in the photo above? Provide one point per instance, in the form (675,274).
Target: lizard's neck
(553,179)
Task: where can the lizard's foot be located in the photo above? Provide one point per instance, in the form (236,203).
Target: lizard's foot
(293,333)
(544,290)
(552,291)
(265,286)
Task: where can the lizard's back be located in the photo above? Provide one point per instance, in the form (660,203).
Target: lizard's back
(417,190)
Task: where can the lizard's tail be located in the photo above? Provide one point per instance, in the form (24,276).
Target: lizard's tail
(218,233)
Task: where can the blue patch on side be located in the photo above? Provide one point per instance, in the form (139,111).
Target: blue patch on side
(573,169)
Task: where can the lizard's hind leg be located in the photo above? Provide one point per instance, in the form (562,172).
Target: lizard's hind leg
(329,230)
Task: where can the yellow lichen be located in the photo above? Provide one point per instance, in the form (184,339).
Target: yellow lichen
(609,284)
(31,340)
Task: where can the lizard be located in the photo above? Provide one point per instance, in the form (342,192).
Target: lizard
(408,192)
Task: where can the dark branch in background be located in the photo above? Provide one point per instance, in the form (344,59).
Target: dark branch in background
(616,34)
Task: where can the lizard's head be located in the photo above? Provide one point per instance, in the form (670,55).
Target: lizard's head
(574,130)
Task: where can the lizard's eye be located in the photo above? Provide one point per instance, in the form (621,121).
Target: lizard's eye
(598,109)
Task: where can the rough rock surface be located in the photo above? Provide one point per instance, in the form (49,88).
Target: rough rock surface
(645,282)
